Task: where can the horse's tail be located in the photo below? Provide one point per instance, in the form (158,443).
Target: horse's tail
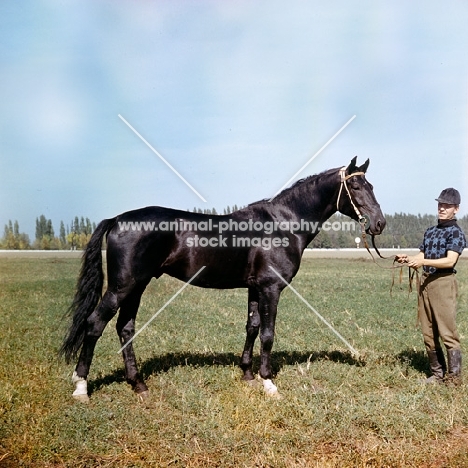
(88,291)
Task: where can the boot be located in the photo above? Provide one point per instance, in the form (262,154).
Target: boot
(454,367)
(437,365)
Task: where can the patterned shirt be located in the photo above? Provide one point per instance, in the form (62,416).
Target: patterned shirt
(447,235)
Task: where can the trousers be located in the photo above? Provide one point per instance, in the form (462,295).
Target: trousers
(437,310)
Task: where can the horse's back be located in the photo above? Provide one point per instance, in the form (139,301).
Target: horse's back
(151,241)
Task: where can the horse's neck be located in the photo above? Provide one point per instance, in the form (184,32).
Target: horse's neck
(313,200)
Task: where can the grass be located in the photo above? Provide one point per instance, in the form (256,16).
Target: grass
(336,410)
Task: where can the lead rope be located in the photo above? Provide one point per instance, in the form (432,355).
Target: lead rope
(413,275)
(363,221)
(412,272)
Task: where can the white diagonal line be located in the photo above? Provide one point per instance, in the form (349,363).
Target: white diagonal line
(162,158)
(356,353)
(314,156)
(161,309)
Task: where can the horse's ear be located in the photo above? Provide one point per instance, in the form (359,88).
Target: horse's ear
(352,166)
(364,167)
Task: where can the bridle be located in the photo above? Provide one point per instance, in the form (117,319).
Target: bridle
(363,221)
(361,218)
(344,178)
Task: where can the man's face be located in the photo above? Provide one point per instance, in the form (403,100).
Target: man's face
(446,211)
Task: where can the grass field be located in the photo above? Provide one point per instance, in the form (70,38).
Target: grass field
(336,410)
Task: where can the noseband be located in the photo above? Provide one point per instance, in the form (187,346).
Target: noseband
(344,178)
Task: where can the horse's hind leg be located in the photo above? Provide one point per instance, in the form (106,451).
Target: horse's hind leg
(126,331)
(95,325)
(252,328)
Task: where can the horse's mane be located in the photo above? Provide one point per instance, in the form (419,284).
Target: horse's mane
(312,179)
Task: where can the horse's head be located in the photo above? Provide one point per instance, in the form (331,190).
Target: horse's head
(356,198)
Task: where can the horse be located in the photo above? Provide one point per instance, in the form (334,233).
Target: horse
(258,247)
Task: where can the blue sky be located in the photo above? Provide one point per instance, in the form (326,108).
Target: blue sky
(237,96)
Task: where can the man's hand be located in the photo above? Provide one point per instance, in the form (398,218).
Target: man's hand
(402,258)
(415,261)
(418,260)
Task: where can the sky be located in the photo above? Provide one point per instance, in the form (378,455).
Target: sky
(235,96)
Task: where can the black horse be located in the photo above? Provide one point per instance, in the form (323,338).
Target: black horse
(258,247)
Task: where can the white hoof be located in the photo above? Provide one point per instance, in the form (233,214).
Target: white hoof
(81,388)
(270,388)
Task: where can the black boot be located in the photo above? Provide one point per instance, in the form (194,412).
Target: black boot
(437,365)
(454,367)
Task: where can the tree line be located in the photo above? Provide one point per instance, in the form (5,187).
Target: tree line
(402,231)
(73,236)
(212,211)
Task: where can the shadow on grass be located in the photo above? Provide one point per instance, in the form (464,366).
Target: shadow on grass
(415,359)
(279,359)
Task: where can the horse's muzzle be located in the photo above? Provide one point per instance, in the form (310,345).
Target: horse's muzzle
(377,227)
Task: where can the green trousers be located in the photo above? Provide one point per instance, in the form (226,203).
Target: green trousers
(437,310)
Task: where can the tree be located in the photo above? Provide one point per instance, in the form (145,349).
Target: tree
(13,238)
(63,236)
(41,227)
(45,239)
(82,226)
(88,227)
(49,229)
(342,240)
(76,225)
(80,233)
(321,241)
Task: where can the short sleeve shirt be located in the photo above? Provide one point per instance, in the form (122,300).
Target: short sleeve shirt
(438,240)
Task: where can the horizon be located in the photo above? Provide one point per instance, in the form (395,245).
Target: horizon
(56,224)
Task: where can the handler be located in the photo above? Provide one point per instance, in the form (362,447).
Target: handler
(437,301)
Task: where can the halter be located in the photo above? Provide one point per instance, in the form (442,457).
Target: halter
(362,219)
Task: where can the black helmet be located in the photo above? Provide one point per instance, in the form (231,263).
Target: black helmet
(450,196)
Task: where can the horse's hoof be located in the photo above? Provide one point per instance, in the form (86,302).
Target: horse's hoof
(81,388)
(82,398)
(271,389)
(143,396)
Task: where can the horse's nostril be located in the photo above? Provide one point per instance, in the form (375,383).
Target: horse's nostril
(380,225)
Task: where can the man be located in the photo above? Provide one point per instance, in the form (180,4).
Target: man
(437,301)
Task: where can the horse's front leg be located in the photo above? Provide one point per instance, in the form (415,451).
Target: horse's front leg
(252,328)
(268,304)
